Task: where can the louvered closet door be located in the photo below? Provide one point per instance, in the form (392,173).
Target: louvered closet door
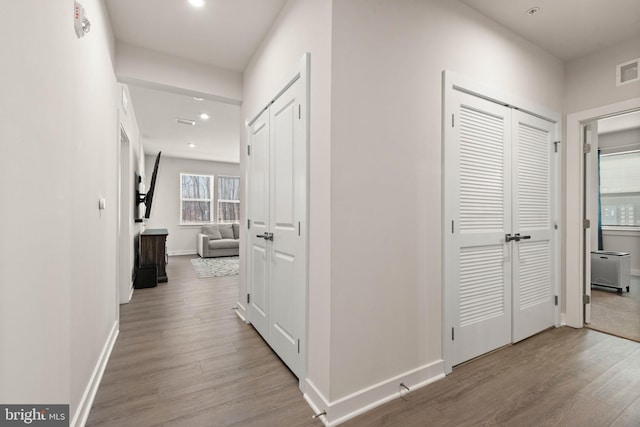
(479,262)
(533,278)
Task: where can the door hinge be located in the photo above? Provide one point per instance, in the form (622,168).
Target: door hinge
(452,120)
(586,299)
(586,148)
(299,111)
(555,226)
(248,224)
(555,300)
(555,146)
(248,150)
(451,226)
(248,298)
(453,335)
(298,345)
(586,223)
(299,228)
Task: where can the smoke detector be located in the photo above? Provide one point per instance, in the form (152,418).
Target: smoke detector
(80,22)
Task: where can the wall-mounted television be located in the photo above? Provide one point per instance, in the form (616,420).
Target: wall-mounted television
(147,198)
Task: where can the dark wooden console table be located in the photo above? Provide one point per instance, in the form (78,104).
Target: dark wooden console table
(153,250)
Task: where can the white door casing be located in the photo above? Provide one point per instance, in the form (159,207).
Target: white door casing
(590,202)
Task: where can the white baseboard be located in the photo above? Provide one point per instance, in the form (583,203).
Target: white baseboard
(241,312)
(182,252)
(563,319)
(635,272)
(127,300)
(355,404)
(82,413)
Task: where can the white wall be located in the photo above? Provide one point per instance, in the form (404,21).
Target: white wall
(380,269)
(165,211)
(135,65)
(57,254)
(591,81)
(386,115)
(589,92)
(303,26)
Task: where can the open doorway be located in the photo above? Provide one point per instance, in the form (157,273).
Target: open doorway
(612,203)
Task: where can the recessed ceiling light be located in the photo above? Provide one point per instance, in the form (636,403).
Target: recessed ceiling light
(198,99)
(204,116)
(196,3)
(191,145)
(532,11)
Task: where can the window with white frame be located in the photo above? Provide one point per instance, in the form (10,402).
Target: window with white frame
(196,199)
(620,189)
(228,199)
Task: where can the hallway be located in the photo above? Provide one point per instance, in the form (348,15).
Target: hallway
(183,358)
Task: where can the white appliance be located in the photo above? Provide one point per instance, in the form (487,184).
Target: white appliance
(611,269)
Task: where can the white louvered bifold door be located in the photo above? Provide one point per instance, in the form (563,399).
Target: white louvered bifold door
(533,278)
(478,260)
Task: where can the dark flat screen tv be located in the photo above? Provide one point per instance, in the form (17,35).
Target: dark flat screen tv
(147,198)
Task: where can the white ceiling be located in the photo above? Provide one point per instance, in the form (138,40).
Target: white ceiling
(223,33)
(216,139)
(226,34)
(568,29)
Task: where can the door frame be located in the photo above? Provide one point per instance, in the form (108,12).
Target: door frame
(575,269)
(452,81)
(301,74)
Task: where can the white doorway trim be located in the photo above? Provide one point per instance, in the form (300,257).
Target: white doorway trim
(454,82)
(124,246)
(574,191)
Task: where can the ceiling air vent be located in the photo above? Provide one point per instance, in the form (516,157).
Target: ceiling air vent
(186,122)
(628,72)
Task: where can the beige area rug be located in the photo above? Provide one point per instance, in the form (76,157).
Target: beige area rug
(216,267)
(617,314)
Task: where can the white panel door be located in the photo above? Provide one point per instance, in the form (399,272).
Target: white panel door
(259,196)
(533,248)
(277,275)
(288,211)
(478,262)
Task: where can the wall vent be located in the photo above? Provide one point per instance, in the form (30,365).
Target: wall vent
(628,72)
(186,122)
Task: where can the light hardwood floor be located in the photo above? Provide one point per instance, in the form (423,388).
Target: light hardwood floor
(183,358)
(617,313)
